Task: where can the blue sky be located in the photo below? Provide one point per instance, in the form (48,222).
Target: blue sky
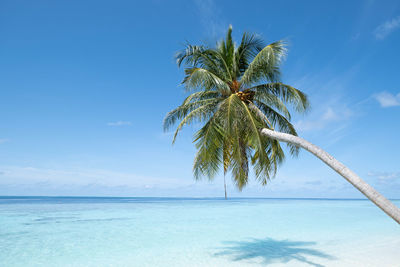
(85,85)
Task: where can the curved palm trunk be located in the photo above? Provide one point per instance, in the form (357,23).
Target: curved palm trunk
(387,206)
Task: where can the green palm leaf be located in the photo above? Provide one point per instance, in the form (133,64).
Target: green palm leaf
(265,65)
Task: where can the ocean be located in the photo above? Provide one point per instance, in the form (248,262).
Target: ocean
(106,231)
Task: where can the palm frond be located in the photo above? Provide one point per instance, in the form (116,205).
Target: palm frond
(272,101)
(201,95)
(286,93)
(202,79)
(281,123)
(201,113)
(256,141)
(190,55)
(265,66)
(249,47)
(209,140)
(182,111)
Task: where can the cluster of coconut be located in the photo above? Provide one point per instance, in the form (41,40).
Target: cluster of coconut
(246,95)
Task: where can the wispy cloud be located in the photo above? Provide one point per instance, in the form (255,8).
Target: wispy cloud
(384,176)
(315,182)
(327,117)
(210,17)
(82,177)
(3,140)
(387,28)
(386,99)
(331,105)
(119,123)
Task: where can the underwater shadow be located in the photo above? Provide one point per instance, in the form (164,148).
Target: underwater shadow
(273,251)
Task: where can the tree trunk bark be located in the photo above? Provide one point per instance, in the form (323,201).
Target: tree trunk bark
(387,206)
(226,197)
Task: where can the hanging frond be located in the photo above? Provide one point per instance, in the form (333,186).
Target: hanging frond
(254,125)
(203,112)
(209,140)
(281,123)
(182,111)
(272,101)
(286,93)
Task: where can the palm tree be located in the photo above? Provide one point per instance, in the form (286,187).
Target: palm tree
(237,94)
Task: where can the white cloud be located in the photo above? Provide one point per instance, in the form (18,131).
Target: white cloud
(386,28)
(385,176)
(3,141)
(329,115)
(331,108)
(386,99)
(119,123)
(82,177)
(23,180)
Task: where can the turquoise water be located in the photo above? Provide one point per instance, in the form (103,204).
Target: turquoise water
(40,231)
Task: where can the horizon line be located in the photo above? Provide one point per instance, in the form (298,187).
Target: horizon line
(182,197)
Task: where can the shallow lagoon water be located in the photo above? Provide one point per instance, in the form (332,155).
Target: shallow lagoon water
(63,231)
